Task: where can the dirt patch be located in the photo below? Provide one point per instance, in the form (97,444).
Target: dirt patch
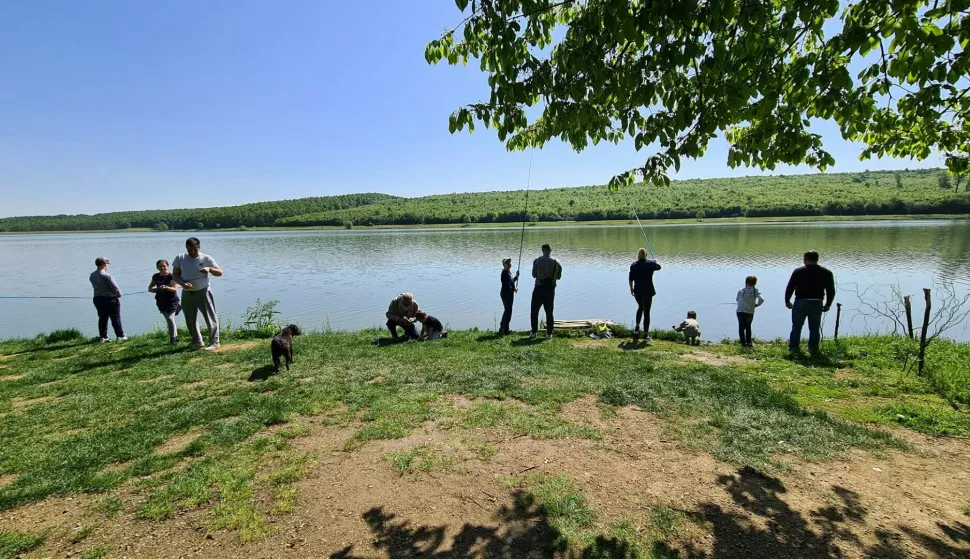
(225,365)
(708,358)
(194,360)
(64,358)
(20,403)
(584,411)
(10,378)
(376,380)
(179,442)
(117,466)
(7,479)
(355,505)
(197,384)
(237,347)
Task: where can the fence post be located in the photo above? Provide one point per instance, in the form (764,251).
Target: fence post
(922,334)
(909,316)
(838,316)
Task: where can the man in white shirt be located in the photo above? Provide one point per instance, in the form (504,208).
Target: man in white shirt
(192,270)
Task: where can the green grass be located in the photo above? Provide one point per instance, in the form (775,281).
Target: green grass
(565,508)
(85,417)
(13,544)
(96,552)
(80,534)
(423,458)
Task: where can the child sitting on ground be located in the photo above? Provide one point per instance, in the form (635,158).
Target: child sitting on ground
(690,329)
(431,327)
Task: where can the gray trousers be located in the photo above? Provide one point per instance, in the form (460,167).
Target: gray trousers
(173,329)
(194,302)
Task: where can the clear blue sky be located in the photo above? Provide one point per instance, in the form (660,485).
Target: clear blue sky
(136,105)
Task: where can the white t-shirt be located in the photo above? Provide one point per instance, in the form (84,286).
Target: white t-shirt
(190,267)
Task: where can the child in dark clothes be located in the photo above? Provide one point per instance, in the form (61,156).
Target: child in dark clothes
(431,327)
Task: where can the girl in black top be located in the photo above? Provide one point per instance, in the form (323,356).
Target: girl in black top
(166,298)
(508,295)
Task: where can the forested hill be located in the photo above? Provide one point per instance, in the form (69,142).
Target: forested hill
(929,191)
(249,215)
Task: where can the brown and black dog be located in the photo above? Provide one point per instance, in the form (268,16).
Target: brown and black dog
(282,345)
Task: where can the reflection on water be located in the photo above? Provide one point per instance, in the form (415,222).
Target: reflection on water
(344,279)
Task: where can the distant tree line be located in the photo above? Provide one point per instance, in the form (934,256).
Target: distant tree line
(842,194)
(838,194)
(247,215)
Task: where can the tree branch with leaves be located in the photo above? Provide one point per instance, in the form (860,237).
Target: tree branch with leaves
(674,76)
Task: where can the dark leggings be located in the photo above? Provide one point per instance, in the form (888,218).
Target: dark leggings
(744,327)
(644,302)
(109,308)
(507,300)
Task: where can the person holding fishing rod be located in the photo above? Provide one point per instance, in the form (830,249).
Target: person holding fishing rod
(192,270)
(642,289)
(510,285)
(107,299)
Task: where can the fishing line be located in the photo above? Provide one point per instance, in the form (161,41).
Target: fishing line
(525,212)
(60,296)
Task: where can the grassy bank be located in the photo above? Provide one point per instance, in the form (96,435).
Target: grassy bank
(190,430)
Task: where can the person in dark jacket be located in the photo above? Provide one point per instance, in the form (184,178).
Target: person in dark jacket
(814,289)
(642,289)
(166,298)
(431,327)
(107,299)
(510,285)
(547,271)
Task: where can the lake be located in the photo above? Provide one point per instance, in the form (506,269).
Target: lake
(345,279)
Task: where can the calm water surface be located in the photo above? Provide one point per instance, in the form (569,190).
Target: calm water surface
(345,279)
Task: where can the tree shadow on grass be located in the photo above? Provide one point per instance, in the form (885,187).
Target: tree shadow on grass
(527,341)
(522,531)
(630,345)
(762,526)
(769,527)
(489,337)
(262,373)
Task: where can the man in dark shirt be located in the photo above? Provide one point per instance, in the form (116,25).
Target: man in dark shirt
(814,289)
(547,271)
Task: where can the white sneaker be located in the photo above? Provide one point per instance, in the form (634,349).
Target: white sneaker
(548,336)
(197,345)
(105,340)
(532,336)
(123,339)
(212,347)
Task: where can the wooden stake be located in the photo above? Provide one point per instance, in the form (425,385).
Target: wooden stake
(909,316)
(922,334)
(838,316)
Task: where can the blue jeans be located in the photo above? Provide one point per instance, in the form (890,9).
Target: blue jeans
(812,311)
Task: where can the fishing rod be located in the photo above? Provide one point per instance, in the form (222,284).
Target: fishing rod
(525,213)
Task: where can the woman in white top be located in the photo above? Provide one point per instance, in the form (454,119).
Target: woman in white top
(748,299)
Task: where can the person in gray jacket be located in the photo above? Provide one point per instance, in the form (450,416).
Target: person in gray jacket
(547,271)
(403,312)
(107,299)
